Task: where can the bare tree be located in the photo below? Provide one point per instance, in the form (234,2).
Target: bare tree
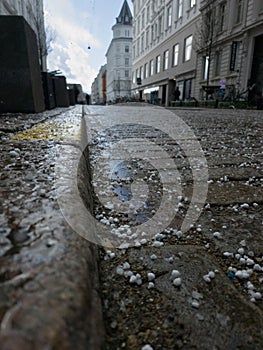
(45,35)
(206,37)
(50,38)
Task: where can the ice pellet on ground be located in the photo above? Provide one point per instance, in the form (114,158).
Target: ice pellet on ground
(147,347)
(177,282)
(150,276)
(175,274)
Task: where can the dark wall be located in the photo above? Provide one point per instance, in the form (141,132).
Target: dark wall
(61,92)
(257,67)
(49,92)
(20,77)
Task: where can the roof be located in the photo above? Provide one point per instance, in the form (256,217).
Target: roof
(125,16)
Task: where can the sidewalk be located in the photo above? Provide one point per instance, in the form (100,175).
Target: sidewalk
(49,279)
(201,289)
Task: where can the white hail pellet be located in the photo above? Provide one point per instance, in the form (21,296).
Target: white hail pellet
(177,282)
(157,244)
(195,304)
(211,274)
(150,276)
(150,285)
(257,267)
(206,278)
(241,251)
(126,266)
(217,235)
(175,274)
(119,270)
(243,243)
(153,257)
(147,347)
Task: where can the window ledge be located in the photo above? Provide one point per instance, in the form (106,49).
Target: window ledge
(232,75)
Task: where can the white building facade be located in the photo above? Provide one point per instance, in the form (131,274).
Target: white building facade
(209,49)
(32,11)
(119,58)
(163,49)
(98,88)
(236,60)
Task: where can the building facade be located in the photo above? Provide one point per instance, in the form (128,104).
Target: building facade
(99,86)
(32,11)
(208,49)
(164,58)
(119,57)
(230,64)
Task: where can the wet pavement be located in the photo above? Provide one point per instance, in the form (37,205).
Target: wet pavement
(200,288)
(176,207)
(47,272)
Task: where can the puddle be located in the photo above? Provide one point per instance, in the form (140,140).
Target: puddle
(124,179)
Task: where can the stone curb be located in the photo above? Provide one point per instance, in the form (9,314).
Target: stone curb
(49,286)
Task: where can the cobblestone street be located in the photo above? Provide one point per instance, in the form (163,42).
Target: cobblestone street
(201,289)
(176,208)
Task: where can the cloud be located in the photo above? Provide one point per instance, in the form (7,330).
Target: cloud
(70,52)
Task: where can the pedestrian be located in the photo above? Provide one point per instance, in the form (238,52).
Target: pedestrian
(177,94)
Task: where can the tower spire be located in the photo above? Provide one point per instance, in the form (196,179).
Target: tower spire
(125,16)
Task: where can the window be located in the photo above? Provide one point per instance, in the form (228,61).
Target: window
(166,60)
(192,3)
(152,31)
(151,67)
(147,38)
(222,17)
(143,18)
(127,33)
(148,14)
(138,25)
(146,70)
(142,43)
(155,30)
(175,54)
(179,8)
(126,74)
(127,49)
(158,64)
(141,72)
(118,61)
(127,62)
(235,48)
(239,11)
(133,78)
(218,56)
(205,67)
(188,48)
(169,17)
(160,25)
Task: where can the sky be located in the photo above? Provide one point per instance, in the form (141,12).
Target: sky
(78,25)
